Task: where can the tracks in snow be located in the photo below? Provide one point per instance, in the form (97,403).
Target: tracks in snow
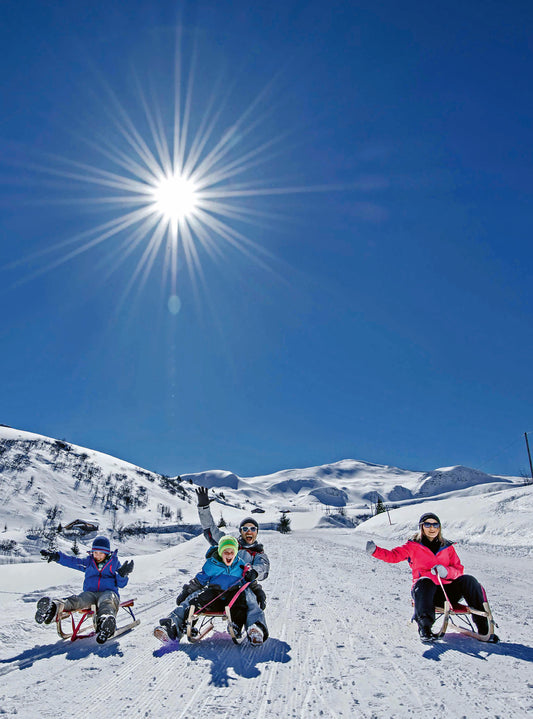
(341,646)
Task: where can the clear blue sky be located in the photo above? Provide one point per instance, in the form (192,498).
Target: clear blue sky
(389,315)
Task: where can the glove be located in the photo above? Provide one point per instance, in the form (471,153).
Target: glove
(203,498)
(261,596)
(182,596)
(50,556)
(440,570)
(250,575)
(187,589)
(125,569)
(370,547)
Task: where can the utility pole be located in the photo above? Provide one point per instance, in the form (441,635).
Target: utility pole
(529,455)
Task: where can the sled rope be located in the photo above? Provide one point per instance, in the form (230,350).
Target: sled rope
(464,619)
(241,589)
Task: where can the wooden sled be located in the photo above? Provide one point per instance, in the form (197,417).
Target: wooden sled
(202,621)
(81,628)
(464,612)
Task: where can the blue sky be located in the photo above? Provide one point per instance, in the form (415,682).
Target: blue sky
(383,310)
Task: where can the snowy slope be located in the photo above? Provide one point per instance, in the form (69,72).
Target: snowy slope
(39,475)
(341,644)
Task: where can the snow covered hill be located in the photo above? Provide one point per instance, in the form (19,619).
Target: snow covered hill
(48,482)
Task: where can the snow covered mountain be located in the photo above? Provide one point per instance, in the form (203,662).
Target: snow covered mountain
(48,482)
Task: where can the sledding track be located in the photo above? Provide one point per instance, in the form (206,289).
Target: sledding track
(341,646)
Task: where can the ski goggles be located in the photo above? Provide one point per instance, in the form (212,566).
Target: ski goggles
(429,525)
(249,528)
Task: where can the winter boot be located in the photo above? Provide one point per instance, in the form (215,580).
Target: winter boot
(255,635)
(46,611)
(482,624)
(167,631)
(105,628)
(236,631)
(425,634)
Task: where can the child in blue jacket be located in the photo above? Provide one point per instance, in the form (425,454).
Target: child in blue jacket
(104,575)
(223,572)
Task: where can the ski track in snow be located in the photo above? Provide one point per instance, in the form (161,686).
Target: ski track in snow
(341,646)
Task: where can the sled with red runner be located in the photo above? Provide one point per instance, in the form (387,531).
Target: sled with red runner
(83,621)
(201,620)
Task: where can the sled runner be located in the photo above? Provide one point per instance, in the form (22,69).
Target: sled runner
(80,627)
(201,621)
(464,612)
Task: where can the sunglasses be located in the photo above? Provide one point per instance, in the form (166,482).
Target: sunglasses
(429,525)
(249,529)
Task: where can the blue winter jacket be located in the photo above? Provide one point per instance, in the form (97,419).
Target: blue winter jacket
(96,580)
(215,571)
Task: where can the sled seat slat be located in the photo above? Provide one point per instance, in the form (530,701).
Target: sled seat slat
(456,609)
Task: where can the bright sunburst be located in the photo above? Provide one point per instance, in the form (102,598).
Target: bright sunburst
(176,198)
(178,183)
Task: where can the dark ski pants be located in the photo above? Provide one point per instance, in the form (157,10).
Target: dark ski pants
(428,595)
(106,602)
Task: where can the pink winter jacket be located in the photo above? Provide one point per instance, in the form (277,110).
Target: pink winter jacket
(421,559)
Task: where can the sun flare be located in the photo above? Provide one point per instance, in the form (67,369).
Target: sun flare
(178,182)
(175,198)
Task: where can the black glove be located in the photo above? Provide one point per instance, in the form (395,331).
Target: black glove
(182,596)
(50,556)
(126,568)
(261,596)
(250,575)
(203,498)
(187,589)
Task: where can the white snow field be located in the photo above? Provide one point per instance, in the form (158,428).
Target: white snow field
(341,642)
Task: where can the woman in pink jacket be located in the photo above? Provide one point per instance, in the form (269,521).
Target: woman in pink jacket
(430,557)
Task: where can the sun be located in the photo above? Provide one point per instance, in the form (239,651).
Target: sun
(175,198)
(179,181)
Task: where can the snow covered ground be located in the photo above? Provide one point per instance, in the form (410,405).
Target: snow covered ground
(341,643)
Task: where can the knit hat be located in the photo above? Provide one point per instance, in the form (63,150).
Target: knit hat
(227,542)
(248,520)
(428,515)
(101,544)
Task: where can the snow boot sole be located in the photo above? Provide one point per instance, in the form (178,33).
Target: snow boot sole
(46,610)
(166,632)
(161,634)
(255,635)
(106,629)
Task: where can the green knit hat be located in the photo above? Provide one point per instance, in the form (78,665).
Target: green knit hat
(227,542)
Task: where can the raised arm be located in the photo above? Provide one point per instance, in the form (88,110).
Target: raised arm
(73,562)
(398,554)
(211,532)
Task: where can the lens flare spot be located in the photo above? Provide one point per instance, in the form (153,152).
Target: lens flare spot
(174,304)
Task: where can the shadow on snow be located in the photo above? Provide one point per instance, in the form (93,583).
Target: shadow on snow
(72,650)
(475,648)
(223,655)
